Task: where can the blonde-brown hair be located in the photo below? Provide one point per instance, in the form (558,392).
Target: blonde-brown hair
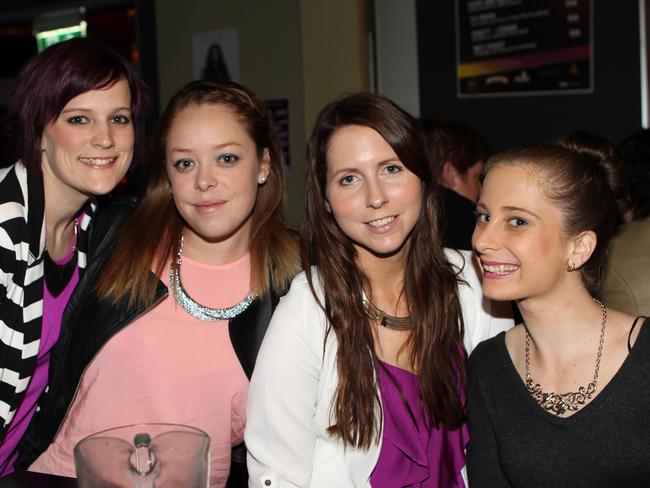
(151,237)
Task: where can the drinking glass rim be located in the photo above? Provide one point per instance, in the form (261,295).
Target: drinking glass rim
(183,428)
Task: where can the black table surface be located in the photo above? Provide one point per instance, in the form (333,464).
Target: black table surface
(26,479)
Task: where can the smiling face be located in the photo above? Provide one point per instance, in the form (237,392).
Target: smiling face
(519,236)
(373,197)
(88,148)
(214,171)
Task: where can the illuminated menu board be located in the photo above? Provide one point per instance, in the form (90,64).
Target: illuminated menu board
(523,47)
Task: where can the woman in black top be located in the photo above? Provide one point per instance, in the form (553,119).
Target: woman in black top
(562,398)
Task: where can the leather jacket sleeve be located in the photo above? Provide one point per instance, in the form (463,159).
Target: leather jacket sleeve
(102,236)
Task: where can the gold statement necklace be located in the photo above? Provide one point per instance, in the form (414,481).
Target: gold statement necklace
(382,318)
(560,403)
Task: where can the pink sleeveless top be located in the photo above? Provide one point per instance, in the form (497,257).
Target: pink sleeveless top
(167,367)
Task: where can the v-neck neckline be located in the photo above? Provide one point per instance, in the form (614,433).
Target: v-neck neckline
(594,404)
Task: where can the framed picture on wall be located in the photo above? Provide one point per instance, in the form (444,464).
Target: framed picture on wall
(215,55)
(524,47)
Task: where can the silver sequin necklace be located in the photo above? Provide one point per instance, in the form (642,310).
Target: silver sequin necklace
(560,403)
(194,308)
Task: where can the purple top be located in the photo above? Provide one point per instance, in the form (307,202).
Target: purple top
(411,454)
(53,308)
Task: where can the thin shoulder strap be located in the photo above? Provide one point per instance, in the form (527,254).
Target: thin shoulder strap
(629,337)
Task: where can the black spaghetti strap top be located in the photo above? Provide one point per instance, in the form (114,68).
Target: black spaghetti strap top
(629,337)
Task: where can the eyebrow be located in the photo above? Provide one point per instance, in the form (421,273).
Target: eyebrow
(508,208)
(83,109)
(519,209)
(379,163)
(217,147)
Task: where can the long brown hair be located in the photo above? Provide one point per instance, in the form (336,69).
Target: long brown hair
(151,237)
(430,282)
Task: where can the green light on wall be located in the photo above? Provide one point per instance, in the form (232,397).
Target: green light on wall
(48,38)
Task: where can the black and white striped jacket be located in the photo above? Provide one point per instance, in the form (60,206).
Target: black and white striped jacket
(22,242)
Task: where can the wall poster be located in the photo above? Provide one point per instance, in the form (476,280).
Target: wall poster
(215,55)
(279,109)
(524,47)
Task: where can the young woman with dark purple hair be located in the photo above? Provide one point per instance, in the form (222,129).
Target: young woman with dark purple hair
(74,109)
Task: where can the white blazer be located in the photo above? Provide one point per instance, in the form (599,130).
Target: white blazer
(293,384)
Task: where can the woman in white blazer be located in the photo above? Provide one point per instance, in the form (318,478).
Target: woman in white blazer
(360,379)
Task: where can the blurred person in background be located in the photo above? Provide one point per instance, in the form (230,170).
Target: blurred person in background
(627,278)
(458,153)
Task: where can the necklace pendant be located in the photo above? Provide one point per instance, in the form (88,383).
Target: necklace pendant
(560,403)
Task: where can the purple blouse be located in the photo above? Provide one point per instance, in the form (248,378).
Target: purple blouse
(411,454)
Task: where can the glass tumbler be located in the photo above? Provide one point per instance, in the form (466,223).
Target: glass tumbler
(144,456)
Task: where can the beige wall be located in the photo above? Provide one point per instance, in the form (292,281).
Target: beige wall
(335,52)
(308,51)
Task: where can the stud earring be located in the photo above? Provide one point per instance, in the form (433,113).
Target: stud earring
(570,267)
(262,180)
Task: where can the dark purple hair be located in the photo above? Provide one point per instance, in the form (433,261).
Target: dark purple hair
(47,82)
